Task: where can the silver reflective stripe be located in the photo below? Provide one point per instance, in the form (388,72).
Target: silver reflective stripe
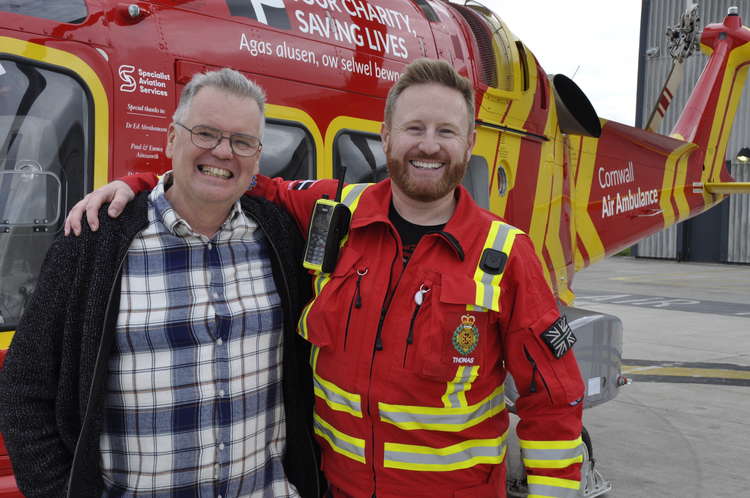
(335,400)
(539,457)
(353,193)
(442,419)
(459,456)
(543,490)
(349,446)
(486,278)
(460,385)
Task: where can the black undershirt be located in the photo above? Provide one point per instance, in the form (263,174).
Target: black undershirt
(409,232)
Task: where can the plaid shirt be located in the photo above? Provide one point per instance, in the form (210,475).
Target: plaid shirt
(194,404)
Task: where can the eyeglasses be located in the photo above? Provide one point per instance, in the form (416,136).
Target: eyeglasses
(209,138)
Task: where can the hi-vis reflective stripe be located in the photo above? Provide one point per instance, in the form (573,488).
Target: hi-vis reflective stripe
(409,417)
(344,444)
(458,456)
(551,454)
(351,193)
(546,487)
(455,392)
(500,237)
(349,197)
(331,394)
(320,280)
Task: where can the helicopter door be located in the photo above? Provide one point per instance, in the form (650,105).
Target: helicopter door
(45,167)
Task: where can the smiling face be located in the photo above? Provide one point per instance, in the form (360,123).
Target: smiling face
(428,142)
(212,179)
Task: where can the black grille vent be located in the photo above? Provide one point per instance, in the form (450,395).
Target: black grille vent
(487,66)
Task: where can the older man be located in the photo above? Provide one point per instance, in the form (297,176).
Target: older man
(432,302)
(149,361)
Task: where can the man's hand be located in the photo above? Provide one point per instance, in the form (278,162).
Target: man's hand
(118,193)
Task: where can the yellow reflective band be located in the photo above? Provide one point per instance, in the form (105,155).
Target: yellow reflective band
(320,281)
(455,391)
(409,417)
(478,273)
(500,237)
(552,464)
(350,195)
(550,445)
(331,394)
(350,447)
(458,456)
(553,481)
(551,454)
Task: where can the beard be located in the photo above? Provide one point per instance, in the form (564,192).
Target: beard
(422,190)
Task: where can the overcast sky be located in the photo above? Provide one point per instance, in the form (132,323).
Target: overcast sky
(598,38)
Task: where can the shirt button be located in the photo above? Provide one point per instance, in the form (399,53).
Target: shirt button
(221,392)
(219,341)
(221,446)
(210,246)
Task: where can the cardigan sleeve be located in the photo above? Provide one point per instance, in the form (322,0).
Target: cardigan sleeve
(28,381)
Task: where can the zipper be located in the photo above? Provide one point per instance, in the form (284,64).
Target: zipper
(533,386)
(384,311)
(418,300)
(379,347)
(356,302)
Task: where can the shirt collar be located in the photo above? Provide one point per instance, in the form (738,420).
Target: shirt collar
(458,233)
(177,225)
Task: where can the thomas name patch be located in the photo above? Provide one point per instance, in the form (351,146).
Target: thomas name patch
(559,338)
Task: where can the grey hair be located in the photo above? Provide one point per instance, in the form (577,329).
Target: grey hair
(228,80)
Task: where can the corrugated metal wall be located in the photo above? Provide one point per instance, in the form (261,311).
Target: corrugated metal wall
(738,248)
(656,63)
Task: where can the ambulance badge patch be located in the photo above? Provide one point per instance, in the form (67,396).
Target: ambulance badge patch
(466,335)
(559,338)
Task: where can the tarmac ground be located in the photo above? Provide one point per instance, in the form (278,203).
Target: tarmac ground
(682,428)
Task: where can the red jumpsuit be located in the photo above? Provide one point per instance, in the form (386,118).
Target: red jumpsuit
(409,362)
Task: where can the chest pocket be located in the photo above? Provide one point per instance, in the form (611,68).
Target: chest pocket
(326,321)
(453,331)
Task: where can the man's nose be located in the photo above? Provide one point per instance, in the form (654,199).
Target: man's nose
(429,143)
(223,149)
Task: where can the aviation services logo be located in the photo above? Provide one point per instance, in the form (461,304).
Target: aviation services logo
(269,12)
(129,84)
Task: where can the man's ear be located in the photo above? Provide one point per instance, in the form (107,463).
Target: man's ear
(171,132)
(470,142)
(385,135)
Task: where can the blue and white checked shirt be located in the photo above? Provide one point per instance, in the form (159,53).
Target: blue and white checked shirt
(194,404)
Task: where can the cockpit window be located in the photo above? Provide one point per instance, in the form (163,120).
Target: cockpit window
(44,169)
(288,151)
(68,11)
(362,155)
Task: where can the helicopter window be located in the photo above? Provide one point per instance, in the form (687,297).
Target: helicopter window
(288,151)
(476,181)
(68,11)
(44,169)
(362,155)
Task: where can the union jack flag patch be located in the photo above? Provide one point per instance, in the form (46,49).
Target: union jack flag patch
(559,338)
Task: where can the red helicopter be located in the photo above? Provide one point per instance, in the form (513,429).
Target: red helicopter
(88,87)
